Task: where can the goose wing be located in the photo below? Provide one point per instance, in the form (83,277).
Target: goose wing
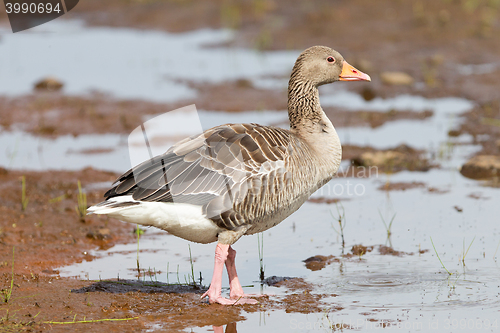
(227,170)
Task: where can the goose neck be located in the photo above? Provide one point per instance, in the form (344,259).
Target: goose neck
(304,109)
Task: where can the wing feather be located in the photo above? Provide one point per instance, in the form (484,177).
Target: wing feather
(222,170)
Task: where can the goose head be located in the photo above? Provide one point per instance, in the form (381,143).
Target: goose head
(321,65)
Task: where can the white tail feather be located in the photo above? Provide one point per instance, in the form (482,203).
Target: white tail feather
(180,219)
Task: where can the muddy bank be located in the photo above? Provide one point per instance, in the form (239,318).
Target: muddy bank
(318,262)
(446,48)
(54,114)
(483,167)
(41,303)
(429,40)
(392,160)
(446,35)
(49,233)
(483,124)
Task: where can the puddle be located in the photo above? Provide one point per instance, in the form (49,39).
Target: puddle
(156,62)
(21,150)
(408,293)
(426,134)
(110,151)
(413,290)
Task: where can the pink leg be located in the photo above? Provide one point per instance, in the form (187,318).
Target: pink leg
(214,292)
(234,282)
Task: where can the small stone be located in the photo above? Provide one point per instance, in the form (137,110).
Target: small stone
(100,234)
(244,83)
(368,93)
(50,271)
(273,280)
(359,250)
(382,158)
(104,231)
(393,160)
(49,84)
(387,250)
(396,78)
(318,262)
(482,167)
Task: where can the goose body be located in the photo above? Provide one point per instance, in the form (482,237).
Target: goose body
(238,179)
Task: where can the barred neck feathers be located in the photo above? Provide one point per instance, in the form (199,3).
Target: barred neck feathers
(311,70)
(304,109)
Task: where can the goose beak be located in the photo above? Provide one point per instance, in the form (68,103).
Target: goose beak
(350,73)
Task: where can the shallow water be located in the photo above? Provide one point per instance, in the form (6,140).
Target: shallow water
(412,292)
(425,134)
(26,151)
(126,63)
(21,150)
(412,289)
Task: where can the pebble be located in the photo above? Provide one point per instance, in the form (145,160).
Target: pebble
(396,78)
(49,84)
(482,167)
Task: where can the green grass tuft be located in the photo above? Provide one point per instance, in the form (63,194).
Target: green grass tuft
(81,209)
(464,252)
(437,254)
(24,197)
(7,294)
(192,266)
(342,222)
(138,231)
(387,226)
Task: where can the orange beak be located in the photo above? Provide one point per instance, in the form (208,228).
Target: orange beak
(350,73)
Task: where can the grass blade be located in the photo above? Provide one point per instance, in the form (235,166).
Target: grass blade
(24,197)
(437,254)
(81,209)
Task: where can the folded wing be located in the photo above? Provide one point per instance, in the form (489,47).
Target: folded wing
(230,170)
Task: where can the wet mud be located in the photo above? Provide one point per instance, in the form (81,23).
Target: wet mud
(52,114)
(125,286)
(318,262)
(49,233)
(447,34)
(482,123)
(393,160)
(400,186)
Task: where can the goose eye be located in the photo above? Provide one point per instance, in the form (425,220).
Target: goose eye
(330,59)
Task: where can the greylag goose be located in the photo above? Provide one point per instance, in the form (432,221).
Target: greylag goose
(238,179)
